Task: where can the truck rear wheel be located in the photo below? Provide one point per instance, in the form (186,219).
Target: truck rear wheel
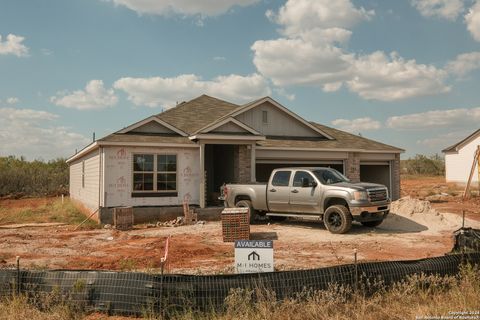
(248,204)
(337,219)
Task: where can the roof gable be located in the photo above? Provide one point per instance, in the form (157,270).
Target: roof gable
(197,113)
(283,123)
(459,145)
(152,125)
(229,125)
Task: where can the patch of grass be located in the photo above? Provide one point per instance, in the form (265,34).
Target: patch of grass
(127,264)
(49,210)
(20,308)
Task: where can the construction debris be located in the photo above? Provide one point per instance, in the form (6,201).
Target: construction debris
(178,221)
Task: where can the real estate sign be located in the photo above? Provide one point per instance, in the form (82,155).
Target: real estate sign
(253,256)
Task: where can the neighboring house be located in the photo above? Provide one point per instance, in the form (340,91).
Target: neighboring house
(459,159)
(188,152)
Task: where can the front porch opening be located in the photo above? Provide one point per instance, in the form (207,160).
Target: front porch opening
(219,169)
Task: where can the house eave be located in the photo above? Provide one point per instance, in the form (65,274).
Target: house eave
(91,147)
(330,149)
(225,137)
(97,144)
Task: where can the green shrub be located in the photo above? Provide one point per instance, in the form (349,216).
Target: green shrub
(33,178)
(424,165)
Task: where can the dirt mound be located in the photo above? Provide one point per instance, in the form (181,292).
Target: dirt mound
(409,206)
(408,213)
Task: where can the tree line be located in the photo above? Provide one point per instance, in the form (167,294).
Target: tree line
(19,177)
(433,165)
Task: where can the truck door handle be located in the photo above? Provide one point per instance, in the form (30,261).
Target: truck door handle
(294,191)
(273,190)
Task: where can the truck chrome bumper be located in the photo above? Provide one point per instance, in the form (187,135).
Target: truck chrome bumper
(369,209)
(370,213)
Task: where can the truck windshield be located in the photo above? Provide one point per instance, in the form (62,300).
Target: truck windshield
(330,176)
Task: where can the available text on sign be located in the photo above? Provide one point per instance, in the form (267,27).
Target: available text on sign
(253,256)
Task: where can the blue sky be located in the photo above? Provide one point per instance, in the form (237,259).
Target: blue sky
(405,73)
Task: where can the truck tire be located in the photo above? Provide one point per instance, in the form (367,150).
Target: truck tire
(337,219)
(248,204)
(372,224)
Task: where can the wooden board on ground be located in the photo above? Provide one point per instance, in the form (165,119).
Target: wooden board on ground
(30,225)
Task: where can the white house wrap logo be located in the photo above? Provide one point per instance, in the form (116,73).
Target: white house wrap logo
(253,256)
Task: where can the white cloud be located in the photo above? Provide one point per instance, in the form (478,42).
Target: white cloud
(379,77)
(464,63)
(472,19)
(12,100)
(299,16)
(95,96)
(219,58)
(183,7)
(357,125)
(447,9)
(158,91)
(309,53)
(13,45)
(375,76)
(296,61)
(30,133)
(436,118)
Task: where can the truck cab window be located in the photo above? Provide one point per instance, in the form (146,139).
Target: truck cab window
(281,178)
(299,176)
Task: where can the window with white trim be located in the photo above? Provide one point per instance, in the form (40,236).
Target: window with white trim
(154,173)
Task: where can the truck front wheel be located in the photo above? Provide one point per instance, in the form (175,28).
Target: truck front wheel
(248,204)
(337,219)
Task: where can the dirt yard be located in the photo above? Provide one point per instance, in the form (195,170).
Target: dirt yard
(414,229)
(445,197)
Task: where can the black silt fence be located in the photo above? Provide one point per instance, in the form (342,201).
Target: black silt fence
(133,293)
(467,240)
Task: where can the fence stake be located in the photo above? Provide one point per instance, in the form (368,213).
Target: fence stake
(18,275)
(62,198)
(356,268)
(463,219)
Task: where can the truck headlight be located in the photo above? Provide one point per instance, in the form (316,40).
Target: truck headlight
(360,195)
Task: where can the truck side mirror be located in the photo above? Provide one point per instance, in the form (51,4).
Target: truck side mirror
(314,183)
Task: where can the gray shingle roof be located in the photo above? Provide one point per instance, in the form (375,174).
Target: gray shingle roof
(342,140)
(197,113)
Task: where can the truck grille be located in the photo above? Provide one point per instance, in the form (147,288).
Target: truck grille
(376,195)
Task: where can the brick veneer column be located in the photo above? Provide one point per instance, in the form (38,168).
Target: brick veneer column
(396,177)
(244,163)
(352,167)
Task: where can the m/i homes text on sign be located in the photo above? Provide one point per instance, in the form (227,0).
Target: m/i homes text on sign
(253,256)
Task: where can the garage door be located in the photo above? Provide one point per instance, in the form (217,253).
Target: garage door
(264,168)
(376,172)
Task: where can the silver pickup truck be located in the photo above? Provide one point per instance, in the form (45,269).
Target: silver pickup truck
(319,193)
